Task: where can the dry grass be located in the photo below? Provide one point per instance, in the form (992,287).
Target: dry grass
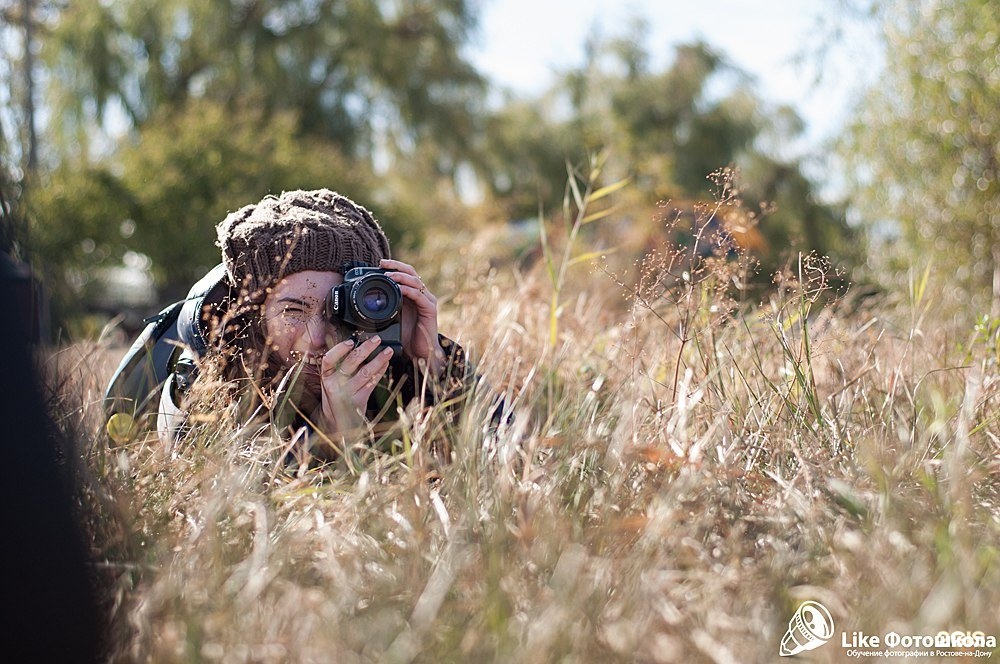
(679,471)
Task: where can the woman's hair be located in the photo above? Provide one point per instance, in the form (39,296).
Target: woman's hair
(239,350)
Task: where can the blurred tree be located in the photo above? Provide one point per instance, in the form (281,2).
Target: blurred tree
(523,156)
(365,75)
(924,144)
(163,194)
(668,131)
(673,113)
(163,116)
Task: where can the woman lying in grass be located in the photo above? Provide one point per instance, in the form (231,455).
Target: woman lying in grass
(293,343)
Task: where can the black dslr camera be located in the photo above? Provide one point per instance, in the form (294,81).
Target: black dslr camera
(368,303)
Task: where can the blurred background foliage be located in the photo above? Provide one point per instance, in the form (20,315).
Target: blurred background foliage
(924,150)
(130,128)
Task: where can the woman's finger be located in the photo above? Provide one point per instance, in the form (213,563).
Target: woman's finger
(345,394)
(425,303)
(389,264)
(368,376)
(406,279)
(333,358)
(415,284)
(354,359)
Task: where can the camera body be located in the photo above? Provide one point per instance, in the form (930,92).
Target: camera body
(368,303)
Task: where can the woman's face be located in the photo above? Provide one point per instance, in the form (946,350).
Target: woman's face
(294,322)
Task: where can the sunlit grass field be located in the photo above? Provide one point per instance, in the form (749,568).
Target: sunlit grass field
(680,464)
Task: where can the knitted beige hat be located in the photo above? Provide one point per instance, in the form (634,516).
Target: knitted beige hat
(297,231)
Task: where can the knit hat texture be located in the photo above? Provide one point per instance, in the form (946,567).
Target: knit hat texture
(297,231)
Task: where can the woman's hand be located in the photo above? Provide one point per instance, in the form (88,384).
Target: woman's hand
(420,324)
(347,380)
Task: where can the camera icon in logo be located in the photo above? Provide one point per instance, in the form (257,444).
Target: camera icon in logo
(809,628)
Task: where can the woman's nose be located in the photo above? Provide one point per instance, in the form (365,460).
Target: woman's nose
(318,330)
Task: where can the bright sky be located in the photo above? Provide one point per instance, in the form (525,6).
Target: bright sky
(523,43)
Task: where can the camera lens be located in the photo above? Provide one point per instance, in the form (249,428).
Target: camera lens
(376,300)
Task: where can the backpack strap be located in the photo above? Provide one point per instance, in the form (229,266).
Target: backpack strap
(134,390)
(205,302)
(145,366)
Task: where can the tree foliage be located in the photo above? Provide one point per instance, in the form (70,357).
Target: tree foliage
(166,115)
(163,194)
(353,72)
(924,145)
(668,130)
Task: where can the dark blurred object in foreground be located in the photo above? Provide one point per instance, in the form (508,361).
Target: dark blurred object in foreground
(25,301)
(50,614)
